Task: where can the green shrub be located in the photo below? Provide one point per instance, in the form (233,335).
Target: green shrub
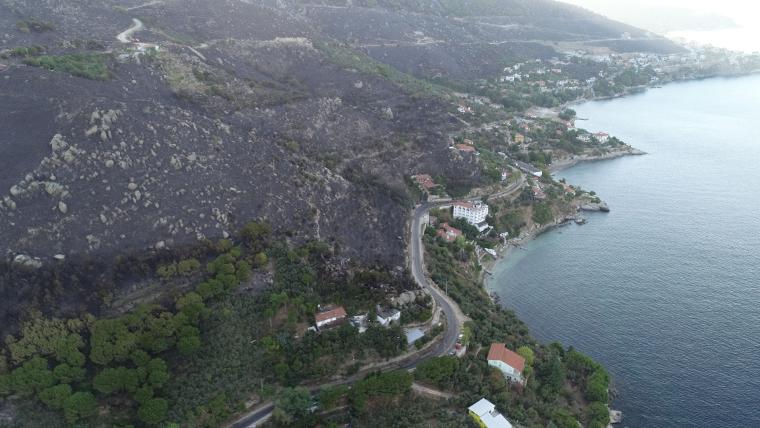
(88,66)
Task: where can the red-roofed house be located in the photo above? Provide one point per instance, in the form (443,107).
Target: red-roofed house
(538,193)
(602,137)
(465,148)
(448,233)
(331,316)
(510,363)
(425,181)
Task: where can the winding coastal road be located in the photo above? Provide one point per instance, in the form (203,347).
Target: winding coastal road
(455,318)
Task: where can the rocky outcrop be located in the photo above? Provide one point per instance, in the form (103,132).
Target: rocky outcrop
(595,206)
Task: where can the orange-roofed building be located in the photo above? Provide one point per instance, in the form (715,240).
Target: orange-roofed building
(448,233)
(425,181)
(510,363)
(465,148)
(331,316)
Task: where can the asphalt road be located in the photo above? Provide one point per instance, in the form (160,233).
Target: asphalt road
(454,316)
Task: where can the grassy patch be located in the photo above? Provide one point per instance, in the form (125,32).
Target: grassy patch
(22,51)
(34,26)
(88,66)
(350,59)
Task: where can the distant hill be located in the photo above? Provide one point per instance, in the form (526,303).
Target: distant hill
(658,18)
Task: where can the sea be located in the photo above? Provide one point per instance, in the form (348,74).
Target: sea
(665,289)
(741,38)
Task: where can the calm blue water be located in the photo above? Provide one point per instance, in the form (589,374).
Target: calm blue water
(665,289)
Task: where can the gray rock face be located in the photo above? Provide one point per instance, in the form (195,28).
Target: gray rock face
(58,143)
(53,189)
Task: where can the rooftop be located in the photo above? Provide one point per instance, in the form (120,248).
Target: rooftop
(468,205)
(386,312)
(487,413)
(425,180)
(338,312)
(500,352)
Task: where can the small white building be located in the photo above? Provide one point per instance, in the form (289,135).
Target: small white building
(387,316)
(485,414)
(602,137)
(360,322)
(510,363)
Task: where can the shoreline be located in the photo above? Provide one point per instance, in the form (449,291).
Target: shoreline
(505,250)
(566,163)
(636,90)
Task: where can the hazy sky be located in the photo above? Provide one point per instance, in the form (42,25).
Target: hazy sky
(745,12)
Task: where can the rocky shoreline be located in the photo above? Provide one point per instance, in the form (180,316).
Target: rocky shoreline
(565,163)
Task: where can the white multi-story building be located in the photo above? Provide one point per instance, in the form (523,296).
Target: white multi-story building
(474,212)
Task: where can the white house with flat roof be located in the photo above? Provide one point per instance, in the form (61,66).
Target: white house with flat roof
(385,316)
(485,414)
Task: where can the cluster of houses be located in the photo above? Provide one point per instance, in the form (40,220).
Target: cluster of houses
(474,212)
(552,76)
(331,316)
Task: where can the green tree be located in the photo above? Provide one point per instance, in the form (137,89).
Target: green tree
(153,411)
(81,405)
(32,377)
(111,340)
(597,386)
(552,375)
(598,414)
(114,380)
(56,396)
(67,350)
(65,373)
(189,340)
(260,260)
(143,394)
(526,353)
(542,214)
(563,419)
(439,371)
(291,405)
(329,396)
(191,304)
(256,235)
(158,373)
(139,358)
(188,266)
